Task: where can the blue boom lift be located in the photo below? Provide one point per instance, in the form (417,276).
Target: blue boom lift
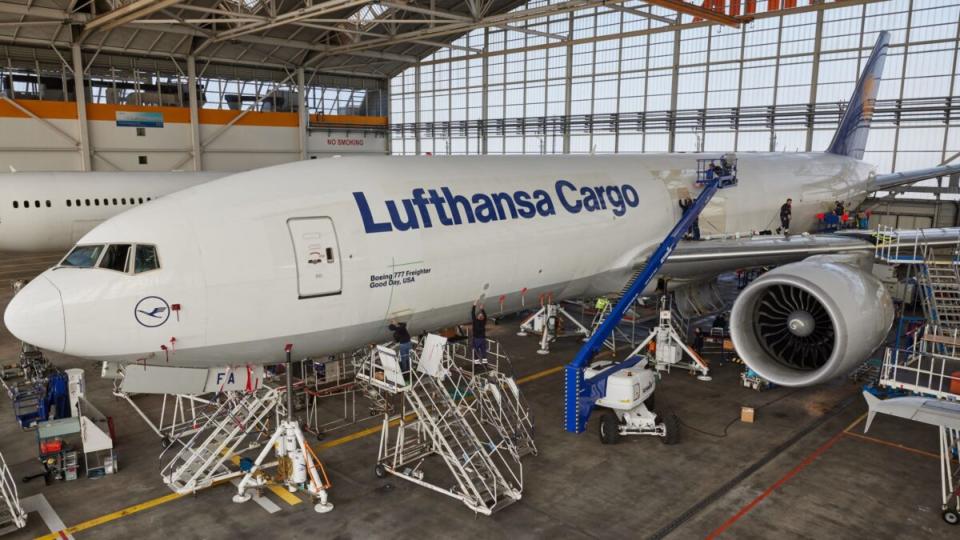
(581,392)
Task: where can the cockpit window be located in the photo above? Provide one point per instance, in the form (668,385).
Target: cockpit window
(83,257)
(146,259)
(115,257)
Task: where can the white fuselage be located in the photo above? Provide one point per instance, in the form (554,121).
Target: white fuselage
(283,255)
(50,211)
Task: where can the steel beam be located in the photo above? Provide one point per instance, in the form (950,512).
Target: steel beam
(81,96)
(698,11)
(126,13)
(196,150)
(303,116)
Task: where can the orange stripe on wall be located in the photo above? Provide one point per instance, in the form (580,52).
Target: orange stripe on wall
(276,119)
(349,119)
(43,109)
(104,112)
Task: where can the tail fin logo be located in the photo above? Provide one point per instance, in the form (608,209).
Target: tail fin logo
(869,98)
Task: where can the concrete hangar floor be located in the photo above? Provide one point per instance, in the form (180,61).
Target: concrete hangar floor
(802,470)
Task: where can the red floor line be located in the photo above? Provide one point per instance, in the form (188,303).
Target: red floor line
(786,478)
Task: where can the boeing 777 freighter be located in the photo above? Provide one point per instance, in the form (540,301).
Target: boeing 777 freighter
(322,256)
(46,211)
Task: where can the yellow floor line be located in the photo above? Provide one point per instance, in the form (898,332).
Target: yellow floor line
(855,422)
(89,524)
(540,374)
(893,445)
(277,490)
(284,494)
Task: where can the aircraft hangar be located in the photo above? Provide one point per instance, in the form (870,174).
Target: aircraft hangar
(421,268)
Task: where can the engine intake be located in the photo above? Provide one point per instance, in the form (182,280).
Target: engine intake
(805,323)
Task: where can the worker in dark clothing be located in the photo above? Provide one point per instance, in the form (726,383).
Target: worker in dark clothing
(786,212)
(479,318)
(402,336)
(694,231)
(698,341)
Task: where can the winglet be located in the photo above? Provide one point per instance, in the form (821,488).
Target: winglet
(851,136)
(872,402)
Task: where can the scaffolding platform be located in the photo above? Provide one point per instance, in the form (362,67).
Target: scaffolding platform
(470,415)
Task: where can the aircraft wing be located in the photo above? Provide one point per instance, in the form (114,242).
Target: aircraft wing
(883,182)
(710,257)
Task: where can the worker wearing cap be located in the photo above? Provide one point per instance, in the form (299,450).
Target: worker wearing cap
(402,336)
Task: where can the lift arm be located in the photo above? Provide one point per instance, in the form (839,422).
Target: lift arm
(580,395)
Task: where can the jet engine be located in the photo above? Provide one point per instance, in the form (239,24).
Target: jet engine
(807,322)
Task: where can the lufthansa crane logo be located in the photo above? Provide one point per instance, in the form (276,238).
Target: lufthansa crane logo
(152,311)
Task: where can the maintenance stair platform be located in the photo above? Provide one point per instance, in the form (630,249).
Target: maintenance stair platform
(238,424)
(930,365)
(470,414)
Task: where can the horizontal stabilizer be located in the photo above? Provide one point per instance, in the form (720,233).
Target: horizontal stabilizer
(935,412)
(884,182)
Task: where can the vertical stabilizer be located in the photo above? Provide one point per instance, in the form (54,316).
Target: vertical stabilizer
(851,136)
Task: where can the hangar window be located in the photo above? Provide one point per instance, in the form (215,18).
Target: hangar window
(141,132)
(115,258)
(69,204)
(83,257)
(48,204)
(146,259)
(16,204)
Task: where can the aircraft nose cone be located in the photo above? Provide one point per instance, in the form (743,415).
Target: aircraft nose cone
(35,315)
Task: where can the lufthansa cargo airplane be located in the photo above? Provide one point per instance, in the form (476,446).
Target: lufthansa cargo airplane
(321,257)
(49,211)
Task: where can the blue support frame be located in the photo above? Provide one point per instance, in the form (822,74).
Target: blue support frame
(580,395)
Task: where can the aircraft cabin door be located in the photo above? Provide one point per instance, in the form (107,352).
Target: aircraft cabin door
(318,256)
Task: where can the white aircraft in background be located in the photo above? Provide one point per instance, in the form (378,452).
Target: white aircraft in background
(47,211)
(320,257)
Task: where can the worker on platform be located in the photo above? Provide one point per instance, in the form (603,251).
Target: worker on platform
(402,336)
(786,212)
(479,318)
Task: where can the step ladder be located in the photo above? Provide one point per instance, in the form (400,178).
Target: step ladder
(237,425)
(604,306)
(580,394)
(493,390)
(448,411)
(940,290)
(934,255)
(12,515)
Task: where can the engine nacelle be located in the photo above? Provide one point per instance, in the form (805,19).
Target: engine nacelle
(807,322)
